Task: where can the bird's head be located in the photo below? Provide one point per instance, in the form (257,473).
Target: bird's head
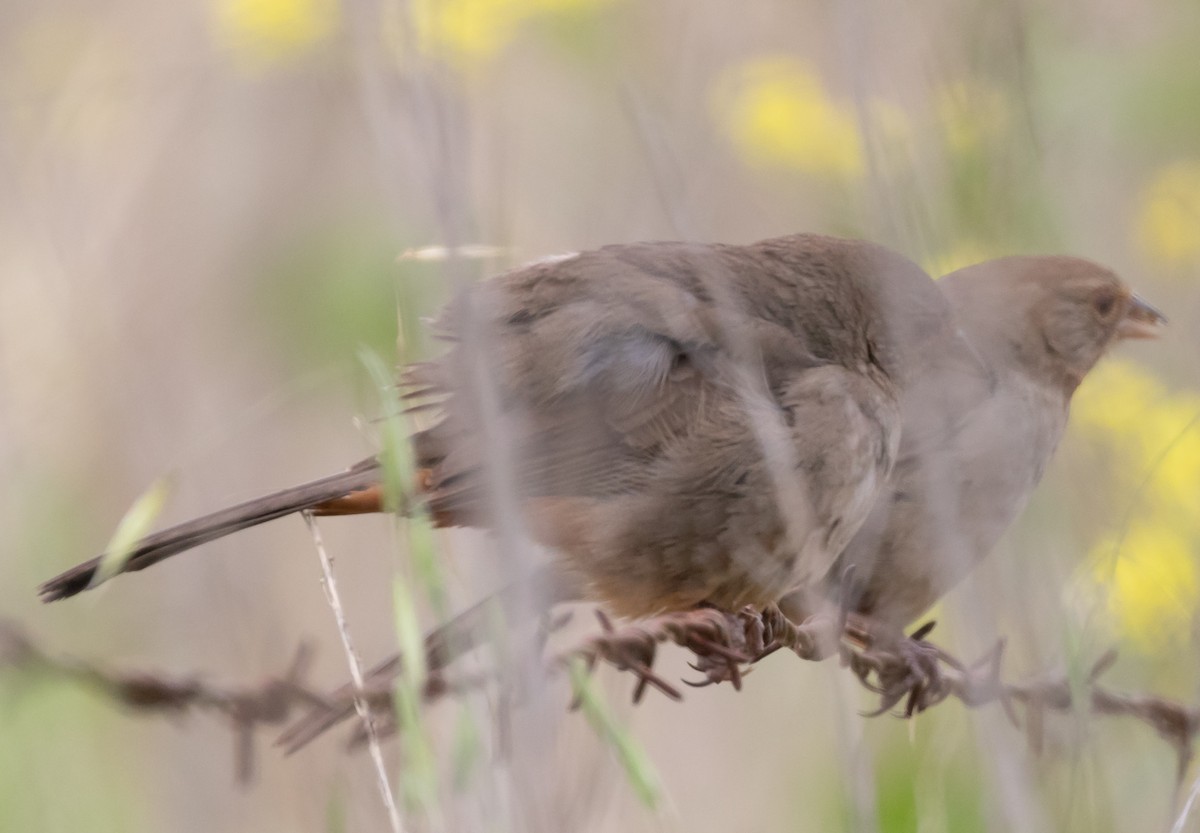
(1057,315)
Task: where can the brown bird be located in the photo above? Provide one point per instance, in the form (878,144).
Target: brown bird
(681,424)
(978,429)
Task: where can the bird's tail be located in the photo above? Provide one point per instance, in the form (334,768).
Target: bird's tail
(354,491)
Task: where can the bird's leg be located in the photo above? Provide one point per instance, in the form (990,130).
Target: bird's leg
(751,635)
(905,667)
(816,638)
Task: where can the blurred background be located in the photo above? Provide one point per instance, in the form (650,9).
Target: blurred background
(211,207)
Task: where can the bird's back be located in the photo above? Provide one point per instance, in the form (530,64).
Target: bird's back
(661,400)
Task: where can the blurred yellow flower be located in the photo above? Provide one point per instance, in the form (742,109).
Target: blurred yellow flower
(470,31)
(1153,436)
(265,33)
(1168,222)
(1174,440)
(969,112)
(1115,399)
(1154,433)
(779,115)
(1152,583)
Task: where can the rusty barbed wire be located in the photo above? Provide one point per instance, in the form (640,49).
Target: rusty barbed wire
(899,669)
(271,703)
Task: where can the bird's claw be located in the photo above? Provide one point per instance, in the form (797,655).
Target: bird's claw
(742,641)
(903,669)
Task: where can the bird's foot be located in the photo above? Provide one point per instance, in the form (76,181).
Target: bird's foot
(750,635)
(738,639)
(898,668)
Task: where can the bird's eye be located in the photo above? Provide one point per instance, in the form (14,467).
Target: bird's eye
(1104,304)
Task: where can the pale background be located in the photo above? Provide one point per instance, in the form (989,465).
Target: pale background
(203,205)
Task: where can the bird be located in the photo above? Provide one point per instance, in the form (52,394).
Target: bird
(978,428)
(680,424)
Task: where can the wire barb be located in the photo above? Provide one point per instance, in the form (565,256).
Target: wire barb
(900,669)
(273,702)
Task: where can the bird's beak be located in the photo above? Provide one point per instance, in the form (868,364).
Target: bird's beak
(1141,320)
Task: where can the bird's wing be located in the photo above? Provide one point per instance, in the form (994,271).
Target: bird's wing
(575,378)
(629,383)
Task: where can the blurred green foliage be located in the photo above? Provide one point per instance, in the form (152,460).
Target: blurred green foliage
(57,761)
(341,288)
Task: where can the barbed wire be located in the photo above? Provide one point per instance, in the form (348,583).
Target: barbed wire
(904,671)
(273,702)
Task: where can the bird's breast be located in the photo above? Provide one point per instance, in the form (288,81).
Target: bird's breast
(1004,449)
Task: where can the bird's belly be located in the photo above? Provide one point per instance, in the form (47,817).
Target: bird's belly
(640,569)
(1003,461)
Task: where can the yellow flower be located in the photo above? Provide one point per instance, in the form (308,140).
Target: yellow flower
(1154,433)
(264,33)
(779,115)
(467,29)
(1152,583)
(1168,223)
(1114,400)
(471,31)
(1171,442)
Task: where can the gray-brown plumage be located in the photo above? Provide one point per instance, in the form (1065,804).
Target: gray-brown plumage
(683,424)
(979,425)
(977,434)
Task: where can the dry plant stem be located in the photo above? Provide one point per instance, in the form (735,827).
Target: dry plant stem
(462,634)
(360,702)
(1181,820)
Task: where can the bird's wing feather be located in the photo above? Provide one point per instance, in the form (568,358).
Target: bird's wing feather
(595,368)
